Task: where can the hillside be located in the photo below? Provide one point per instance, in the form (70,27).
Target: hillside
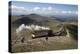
(73,30)
(31,18)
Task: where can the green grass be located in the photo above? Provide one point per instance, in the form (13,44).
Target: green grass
(73,30)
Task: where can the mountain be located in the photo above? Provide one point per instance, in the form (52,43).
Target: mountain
(23,20)
(31,19)
(66,18)
(38,19)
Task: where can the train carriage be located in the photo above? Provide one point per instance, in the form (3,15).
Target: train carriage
(41,33)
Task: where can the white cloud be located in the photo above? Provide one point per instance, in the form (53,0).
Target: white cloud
(50,8)
(64,11)
(40,10)
(36,8)
(44,8)
(12,6)
(69,12)
(17,9)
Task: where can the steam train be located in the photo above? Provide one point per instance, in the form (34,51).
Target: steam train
(47,33)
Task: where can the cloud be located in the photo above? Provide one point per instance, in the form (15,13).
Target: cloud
(40,10)
(44,8)
(64,12)
(50,8)
(36,8)
(69,12)
(17,9)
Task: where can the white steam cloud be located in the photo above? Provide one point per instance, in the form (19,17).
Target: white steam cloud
(31,28)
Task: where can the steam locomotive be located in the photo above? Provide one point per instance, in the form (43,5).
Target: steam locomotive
(47,33)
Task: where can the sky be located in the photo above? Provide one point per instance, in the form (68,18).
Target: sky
(48,9)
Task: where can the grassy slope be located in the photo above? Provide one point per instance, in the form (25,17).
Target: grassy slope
(73,30)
